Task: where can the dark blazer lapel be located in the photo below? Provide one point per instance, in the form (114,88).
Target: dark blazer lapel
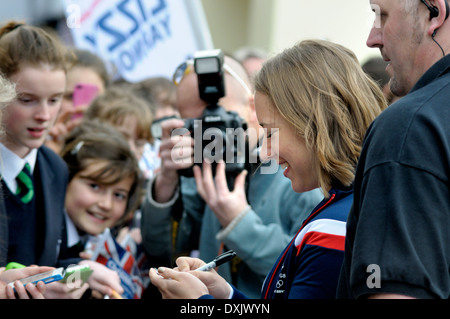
(4,235)
(53,191)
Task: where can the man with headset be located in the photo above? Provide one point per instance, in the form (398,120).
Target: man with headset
(397,243)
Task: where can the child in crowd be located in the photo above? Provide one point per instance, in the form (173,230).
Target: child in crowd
(128,113)
(161,93)
(103,190)
(87,78)
(132,117)
(7,95)
(34,178)
(36,63)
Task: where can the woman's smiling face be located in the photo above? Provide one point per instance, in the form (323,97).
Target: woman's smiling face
(284,144)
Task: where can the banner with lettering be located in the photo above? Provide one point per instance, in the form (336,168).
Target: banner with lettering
(139,38)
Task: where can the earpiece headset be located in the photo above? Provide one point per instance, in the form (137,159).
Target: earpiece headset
(434,11)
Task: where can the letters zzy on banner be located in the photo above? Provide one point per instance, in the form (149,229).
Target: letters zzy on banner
(156,21)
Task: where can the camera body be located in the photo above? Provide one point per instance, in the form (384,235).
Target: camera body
(218,134)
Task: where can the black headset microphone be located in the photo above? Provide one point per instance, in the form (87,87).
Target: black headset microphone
(434,12)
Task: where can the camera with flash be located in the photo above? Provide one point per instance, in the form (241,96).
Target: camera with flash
(222,132)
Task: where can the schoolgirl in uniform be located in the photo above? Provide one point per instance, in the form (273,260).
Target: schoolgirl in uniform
(104,190)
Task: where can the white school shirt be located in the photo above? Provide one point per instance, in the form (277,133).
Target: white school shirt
(11,165)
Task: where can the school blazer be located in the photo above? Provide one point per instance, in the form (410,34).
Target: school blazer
(54,178)
(3,232)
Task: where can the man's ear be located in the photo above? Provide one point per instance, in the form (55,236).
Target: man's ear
(438,20)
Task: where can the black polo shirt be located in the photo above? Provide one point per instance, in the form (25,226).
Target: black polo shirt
(400,220)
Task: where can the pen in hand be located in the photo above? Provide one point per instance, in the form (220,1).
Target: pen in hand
(219,260)
(116,295)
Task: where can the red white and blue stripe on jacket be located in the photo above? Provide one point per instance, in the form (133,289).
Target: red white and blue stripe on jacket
(309,267)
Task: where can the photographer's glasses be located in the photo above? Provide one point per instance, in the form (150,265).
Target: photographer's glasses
(182,70)
(187,67)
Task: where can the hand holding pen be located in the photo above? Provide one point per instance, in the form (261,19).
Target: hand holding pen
(192,280)
(219,260)
(187,263)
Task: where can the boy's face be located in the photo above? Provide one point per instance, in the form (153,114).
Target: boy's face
(93,206)
(28,119)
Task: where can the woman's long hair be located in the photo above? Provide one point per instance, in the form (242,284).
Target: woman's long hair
(322,91)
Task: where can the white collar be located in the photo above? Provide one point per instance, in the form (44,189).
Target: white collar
(11,165)
(73,237)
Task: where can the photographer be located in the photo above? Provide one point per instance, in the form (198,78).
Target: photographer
(256,219)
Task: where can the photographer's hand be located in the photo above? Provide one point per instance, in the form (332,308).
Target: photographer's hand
(176,153)
(225,204)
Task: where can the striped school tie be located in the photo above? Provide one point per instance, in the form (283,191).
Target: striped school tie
(25,189)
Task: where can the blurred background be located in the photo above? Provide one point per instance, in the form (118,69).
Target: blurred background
(270,25)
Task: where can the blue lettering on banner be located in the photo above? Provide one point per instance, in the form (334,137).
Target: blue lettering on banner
(130,42)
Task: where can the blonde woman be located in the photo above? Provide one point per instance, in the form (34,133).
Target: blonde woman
(316,104)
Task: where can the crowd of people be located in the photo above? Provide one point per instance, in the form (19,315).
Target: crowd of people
(358,208)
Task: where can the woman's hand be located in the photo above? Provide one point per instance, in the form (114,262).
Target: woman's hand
(217,286)
(174,284)
(184,282)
